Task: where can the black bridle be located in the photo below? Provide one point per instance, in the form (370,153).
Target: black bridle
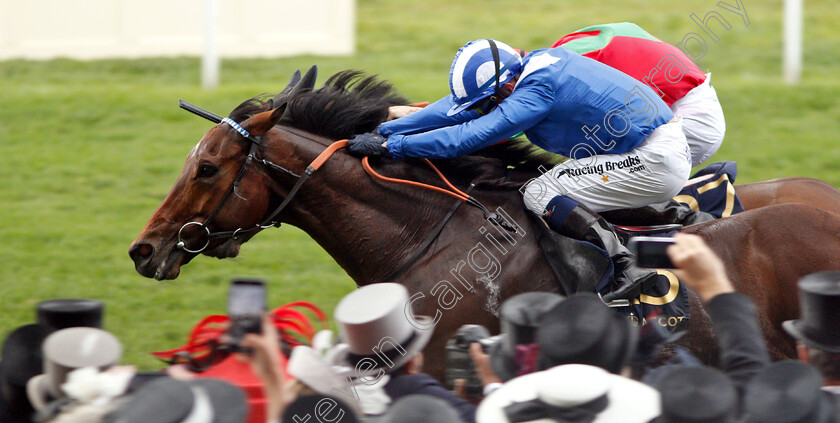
(269,221)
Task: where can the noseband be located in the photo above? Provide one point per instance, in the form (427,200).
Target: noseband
(269,221)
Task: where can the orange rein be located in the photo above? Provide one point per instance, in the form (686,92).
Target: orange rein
(455,192)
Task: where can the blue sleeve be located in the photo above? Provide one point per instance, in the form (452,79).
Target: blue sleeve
(527,106)
(430,117)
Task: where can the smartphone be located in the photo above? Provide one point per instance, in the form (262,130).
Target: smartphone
(246,306)
(651,252)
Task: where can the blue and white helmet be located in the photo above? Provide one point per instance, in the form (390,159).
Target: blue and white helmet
(472,76)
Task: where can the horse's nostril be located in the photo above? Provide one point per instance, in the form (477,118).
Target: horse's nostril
(141,250)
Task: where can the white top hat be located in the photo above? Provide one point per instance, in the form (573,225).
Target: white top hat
(378,326)
(572,387)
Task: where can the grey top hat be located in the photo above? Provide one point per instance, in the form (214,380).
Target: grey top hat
(819,299)
(73,348)
(379,328)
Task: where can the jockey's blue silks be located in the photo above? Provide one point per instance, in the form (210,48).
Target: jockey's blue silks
(562,102)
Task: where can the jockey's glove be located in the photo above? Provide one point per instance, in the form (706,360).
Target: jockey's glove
(367,145)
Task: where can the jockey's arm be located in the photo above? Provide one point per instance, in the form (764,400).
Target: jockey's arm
(526,107)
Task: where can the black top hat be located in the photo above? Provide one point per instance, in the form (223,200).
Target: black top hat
(21,360)
(697,394)
(819,299)
(167,400)
(70,312)
(520,317)
(582,330)
(319,408)
(788,392)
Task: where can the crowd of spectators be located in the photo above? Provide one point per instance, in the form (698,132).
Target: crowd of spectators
(557,359)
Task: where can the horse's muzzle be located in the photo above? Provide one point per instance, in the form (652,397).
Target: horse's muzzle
(152,264)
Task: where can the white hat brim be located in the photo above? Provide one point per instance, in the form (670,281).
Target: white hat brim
(630,401)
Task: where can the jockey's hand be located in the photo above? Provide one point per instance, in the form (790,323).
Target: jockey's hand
(699,267)
(368,145)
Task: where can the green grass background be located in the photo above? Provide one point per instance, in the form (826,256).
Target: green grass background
(89,149)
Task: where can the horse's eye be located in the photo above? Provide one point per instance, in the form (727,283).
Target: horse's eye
(206,171)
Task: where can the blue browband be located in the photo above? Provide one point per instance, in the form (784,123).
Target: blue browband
(236,126)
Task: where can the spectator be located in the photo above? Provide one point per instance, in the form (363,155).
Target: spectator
(264,359)
(317,375)
(573,392)
(789,392)
(421,409)
(582,330)
(742,350)
(68,350)
(697,394)
(319,408)
(383,346)
(169,400)
(516,352)
(65,313)
(20,361)
(817,332)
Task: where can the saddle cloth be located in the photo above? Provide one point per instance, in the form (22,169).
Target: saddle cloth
(666,301)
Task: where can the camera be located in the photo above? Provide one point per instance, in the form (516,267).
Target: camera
(459,365)
(246,306)
(651,252)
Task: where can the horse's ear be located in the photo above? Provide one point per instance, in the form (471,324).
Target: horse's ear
(260,123)
(281,97)
(307,83)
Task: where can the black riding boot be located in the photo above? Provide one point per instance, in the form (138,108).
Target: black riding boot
(666,213)
(577,221)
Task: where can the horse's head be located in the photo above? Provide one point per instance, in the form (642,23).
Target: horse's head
(237,179)
(219,190)
(221,196)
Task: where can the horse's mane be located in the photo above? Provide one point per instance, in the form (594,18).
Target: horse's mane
(350,103)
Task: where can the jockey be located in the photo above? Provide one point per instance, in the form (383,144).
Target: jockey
(627,148)
(665,69)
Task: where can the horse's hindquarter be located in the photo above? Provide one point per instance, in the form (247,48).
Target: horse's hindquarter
(766,251)
(813,192)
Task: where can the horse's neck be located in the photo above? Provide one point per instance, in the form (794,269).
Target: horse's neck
(369,237)
(368,228)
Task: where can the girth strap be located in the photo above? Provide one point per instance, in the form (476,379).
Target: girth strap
(425,245)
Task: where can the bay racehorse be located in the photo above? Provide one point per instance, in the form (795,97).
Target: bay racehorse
(242,173)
